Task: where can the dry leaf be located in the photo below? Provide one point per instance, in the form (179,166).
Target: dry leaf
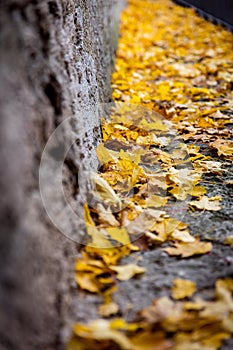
(144,221)
(198,191)
(98,330)
(151,341)
(104,154)
(182,289)
(224,147)
(109,309)
(89,275)
(155,201)
(188,249)
(106,216)
(119,234)
(229,241)
(182,235)
(206,203)
(125,272)
(103,191)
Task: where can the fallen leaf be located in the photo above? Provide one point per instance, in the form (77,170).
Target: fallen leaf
(119,234)
(144,221)
(206,203)
(103,154)
(106,216)
(103,191)
(183,289)
(89,275)
(155,201)
(99,237)
(229,241)
(198,191)
(224,147)
(189,249)
(125,272)
(109,309)
(98,330)
(182,235)
(151,341)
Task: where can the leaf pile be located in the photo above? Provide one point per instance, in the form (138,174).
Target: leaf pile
(174,62)
(166,324)
(170,61)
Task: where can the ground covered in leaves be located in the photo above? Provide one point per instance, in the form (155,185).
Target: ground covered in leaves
(156,272)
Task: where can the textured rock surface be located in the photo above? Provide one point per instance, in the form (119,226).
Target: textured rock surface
(56,59)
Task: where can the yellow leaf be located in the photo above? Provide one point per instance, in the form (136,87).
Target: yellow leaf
(109,309)
(135,99)
(151,341)
(87,282)
(182,235)
(216,340)
(154,238)
(166,226)
(106,216)
(144,221)
(224,147)
(183,289)
(87,215)
(100,330)
(198,191)
(119,234)
(189,249)
(229,241)
(111,255)
(99,239)
(155,201)
(103,191)
(103,154)
(207,203)
(185,178)
(89,265)
(125,272)
(87,272)
(120,323)
(179,193)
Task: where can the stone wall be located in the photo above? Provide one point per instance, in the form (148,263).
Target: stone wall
(56,60)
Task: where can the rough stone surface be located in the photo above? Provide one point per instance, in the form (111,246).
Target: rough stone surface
(56,60)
